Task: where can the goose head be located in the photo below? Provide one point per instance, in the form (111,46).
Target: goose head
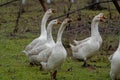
(67,20)
(99,17)
(56,21)
(51,11)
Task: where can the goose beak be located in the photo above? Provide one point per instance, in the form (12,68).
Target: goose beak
(53,11)
(58,21)
(103,18)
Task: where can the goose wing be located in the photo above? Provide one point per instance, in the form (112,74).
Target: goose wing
(45,54)
(79,46)
(37,50)
(81,41)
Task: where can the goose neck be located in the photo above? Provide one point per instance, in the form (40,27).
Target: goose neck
(43,24)
(94,28)
(49,32)
(60,32)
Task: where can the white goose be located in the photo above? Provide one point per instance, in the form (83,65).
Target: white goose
(115,64)
(58,53)
(50,42)
(37,55)
(86,48)
(43,37)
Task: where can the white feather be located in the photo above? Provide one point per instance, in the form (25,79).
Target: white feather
(115,64)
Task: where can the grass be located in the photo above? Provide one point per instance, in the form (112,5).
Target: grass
(15,66)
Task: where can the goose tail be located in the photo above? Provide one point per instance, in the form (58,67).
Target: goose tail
(76,42)
(71,45)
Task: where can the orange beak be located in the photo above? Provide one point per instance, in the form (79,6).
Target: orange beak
(58,21)
(103,18)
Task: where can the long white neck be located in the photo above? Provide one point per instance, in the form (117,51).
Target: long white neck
(94,29)
(60,32)
(49,33)
(43,25)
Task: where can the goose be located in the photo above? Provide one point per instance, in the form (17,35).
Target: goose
(43,37)
(115,64)
(86,48)
(57,54)
(36,55)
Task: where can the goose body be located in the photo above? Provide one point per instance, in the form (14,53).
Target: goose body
(115,64)
(86,48)
(43,37)
(58,53)
(41,52)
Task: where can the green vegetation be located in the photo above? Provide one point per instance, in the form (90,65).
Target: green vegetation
(14,65)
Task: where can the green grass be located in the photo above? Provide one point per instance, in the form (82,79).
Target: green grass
(14,65)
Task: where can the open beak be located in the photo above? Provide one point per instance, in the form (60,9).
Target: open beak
(103,18)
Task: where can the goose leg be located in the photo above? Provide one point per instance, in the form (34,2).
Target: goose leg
(85,63)
(40,67)
(31,64)
(54,74)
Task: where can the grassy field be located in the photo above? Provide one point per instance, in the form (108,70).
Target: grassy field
(14,65)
